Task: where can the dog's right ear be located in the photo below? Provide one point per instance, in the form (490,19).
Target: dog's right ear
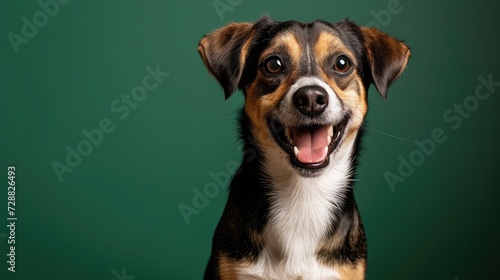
(224,52)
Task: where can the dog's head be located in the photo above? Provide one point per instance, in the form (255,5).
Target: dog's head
(305,84)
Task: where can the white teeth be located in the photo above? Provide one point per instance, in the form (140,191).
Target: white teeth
(330,131)
(295,150)
(329,139)
(326,150)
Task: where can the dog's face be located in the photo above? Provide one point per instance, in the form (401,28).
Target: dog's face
(305,85)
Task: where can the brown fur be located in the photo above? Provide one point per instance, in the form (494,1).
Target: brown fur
(352,272)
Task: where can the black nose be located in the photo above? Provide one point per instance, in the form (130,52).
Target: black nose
(311,100)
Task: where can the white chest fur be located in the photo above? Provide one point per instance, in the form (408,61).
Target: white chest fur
(300,214)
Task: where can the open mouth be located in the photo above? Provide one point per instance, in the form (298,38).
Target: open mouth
(309,147)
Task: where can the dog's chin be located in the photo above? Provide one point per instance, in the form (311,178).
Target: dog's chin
(308,147)
(306,172)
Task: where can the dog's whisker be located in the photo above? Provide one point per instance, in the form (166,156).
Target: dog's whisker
(229,148)
(393,136)
(223,116)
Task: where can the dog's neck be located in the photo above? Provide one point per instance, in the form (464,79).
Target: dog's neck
(303,209)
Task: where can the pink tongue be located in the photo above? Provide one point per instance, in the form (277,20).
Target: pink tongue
(311,143)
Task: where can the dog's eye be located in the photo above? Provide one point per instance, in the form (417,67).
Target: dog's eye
(273,65)
(342,64)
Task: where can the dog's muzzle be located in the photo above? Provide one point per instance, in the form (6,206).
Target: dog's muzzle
(317,134)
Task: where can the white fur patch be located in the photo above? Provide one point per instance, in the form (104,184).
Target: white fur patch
(300,214)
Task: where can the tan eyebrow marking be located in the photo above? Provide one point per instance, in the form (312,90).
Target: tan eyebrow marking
(328,43)
(287,40)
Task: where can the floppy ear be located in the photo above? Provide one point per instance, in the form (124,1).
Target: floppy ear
(386,56)
(224,53)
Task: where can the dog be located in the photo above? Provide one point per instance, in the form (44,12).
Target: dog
(291,212)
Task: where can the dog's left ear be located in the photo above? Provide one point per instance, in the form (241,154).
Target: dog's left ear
(224,53)
(387,57)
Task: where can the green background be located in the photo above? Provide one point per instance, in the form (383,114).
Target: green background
(119,207)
